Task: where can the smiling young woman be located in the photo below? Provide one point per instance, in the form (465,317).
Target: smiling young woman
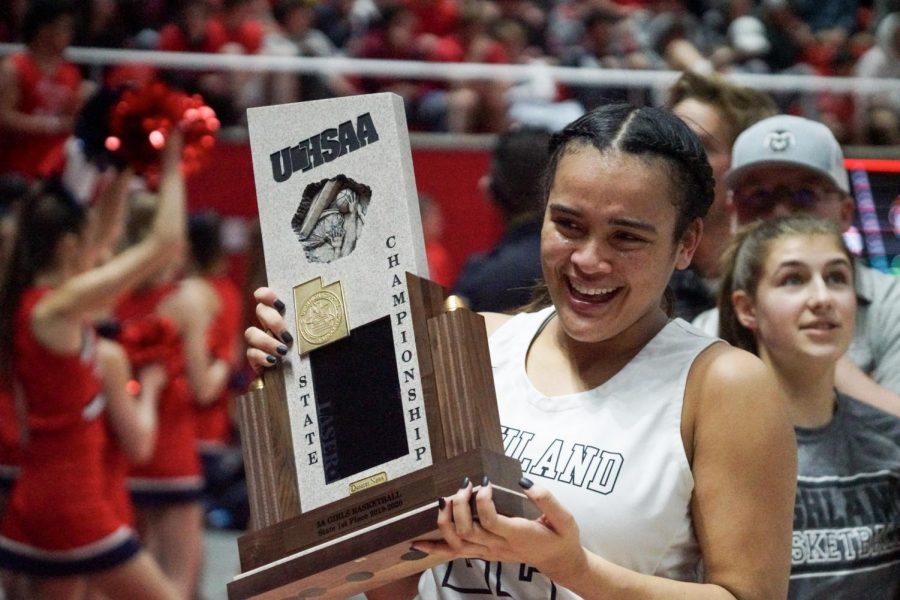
(644,442)
(607,244)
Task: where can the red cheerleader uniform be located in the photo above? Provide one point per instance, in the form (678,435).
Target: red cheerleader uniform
(40,93)
(213,421)
(10,448)
(173,474)
(117,467)
(59,519)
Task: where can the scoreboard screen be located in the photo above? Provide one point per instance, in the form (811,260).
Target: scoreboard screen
(875,235)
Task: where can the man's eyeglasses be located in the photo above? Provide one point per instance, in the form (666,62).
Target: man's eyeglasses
(758,203)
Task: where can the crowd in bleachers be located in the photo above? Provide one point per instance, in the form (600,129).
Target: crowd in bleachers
(791,37)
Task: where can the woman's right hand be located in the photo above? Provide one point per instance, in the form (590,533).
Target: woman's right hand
(271,339)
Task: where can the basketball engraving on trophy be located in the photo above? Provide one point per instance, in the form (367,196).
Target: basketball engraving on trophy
(331,217)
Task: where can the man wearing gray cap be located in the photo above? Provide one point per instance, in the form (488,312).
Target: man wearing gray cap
(786,164)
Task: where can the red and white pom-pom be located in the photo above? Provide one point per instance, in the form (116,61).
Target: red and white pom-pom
(142,119)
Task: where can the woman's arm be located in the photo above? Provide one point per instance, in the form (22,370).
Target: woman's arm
(98,287)
(108,218)
(851,380)
(745,472)
(190,307)
(743,459)
(132,418)
(740,443)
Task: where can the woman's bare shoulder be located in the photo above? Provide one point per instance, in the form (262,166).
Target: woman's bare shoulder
(729,383)
(724,365)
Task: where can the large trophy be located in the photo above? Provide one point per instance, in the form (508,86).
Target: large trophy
(386,400)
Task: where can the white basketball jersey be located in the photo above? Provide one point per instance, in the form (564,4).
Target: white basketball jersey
(613,456)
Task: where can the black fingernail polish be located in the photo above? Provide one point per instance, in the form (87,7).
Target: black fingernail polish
(279,306)
(525,483)
(286,337)
(270,359)
(485,481)
(464,484)
(441,503)
(282,349)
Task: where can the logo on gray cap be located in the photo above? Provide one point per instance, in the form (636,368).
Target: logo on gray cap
(779,141)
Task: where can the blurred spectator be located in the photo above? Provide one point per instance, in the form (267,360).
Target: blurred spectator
(477,105)
(536,100)
(198,29)
(395,37)
(836,109)
(435,17)
(883,59)
(674,37)
(104,25)
(878,117)
(12,13)
(512,34)
(194,30)
(440,265)
(749,44)
(532,14)
(598,50)
(335,19)
(263,12)
(40,93)
(717,111)
(503,278)
(297,37)
(788,35)
(244,34)
(835,18)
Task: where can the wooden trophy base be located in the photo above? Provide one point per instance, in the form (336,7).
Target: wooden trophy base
(379,553)
(363,541)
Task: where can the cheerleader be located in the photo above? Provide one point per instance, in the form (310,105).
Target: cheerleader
(60,525)
(207,270)
(167,489)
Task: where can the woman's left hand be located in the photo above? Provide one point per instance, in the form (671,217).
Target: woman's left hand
(550,543)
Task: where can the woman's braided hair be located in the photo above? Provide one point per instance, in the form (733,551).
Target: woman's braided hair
(651,133)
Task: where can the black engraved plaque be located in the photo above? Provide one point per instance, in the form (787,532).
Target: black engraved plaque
(360,411)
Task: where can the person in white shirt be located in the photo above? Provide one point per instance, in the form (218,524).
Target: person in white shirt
(632,427)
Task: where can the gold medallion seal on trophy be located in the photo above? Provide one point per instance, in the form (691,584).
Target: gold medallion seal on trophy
(321,314)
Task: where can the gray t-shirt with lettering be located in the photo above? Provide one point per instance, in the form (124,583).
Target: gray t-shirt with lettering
(846,540)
